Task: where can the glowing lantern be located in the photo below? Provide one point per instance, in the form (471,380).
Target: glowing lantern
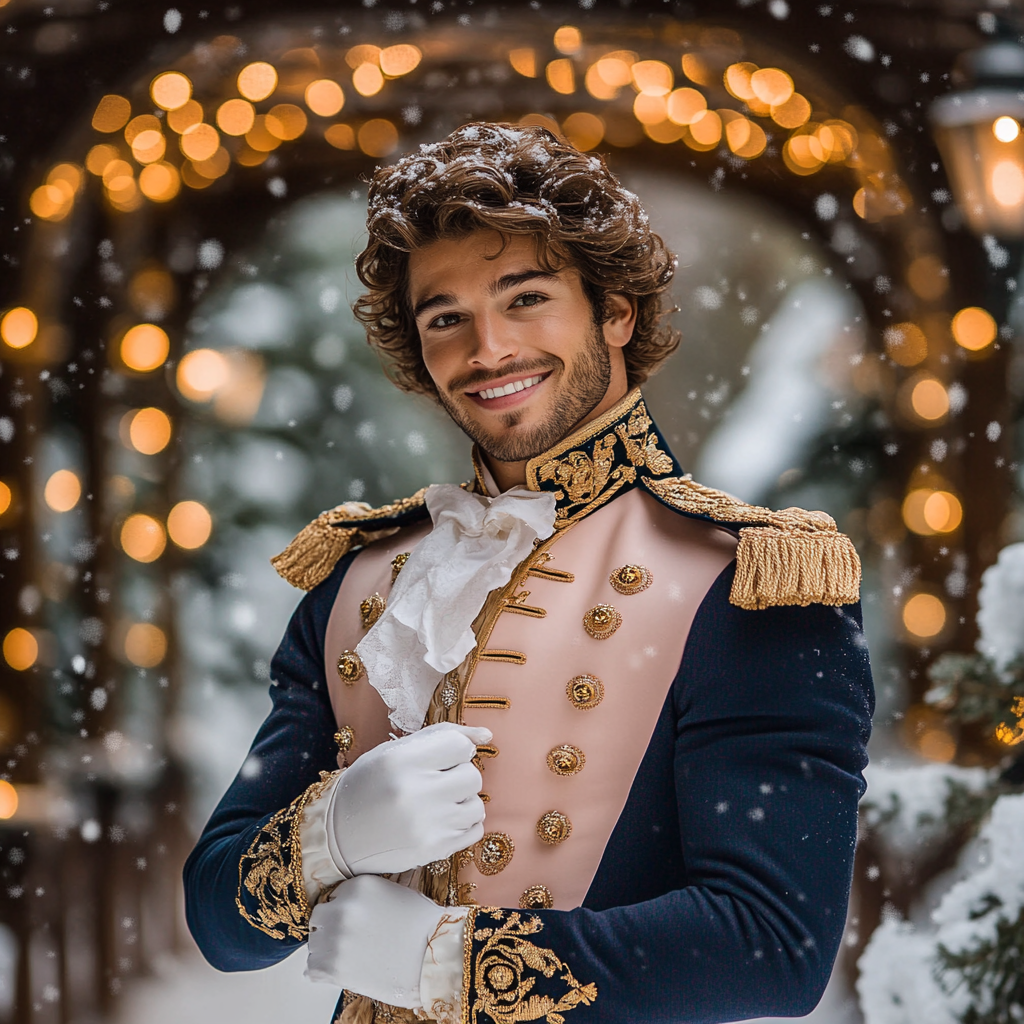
(978,133)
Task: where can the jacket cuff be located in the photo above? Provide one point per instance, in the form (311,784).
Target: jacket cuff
(509,977)
(271,891)
(441,977)
(323,867)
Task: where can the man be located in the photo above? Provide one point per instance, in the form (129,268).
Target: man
(634,710)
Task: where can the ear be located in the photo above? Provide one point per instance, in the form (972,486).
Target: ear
(620,311)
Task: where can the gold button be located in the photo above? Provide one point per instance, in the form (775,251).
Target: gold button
(345,737)
(631,579)
(601,621)
(350,667)
(493,853)
(537,897)
(371,609)
(554,828)
(585,691)
(396,564)
(566,759)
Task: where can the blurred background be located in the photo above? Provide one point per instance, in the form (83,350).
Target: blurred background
(183,387)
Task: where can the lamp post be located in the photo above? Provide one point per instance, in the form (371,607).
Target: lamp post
(978,130)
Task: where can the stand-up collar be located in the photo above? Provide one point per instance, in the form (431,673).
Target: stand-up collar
(606,457)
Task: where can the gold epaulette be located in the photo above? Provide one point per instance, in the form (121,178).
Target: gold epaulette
(783,558)
(316,550)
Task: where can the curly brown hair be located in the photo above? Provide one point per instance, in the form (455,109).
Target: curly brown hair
(516,180)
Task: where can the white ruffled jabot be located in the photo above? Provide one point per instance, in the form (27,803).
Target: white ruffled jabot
(426,629)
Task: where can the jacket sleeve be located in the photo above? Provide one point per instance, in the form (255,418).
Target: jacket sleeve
(771,711)
(244,899)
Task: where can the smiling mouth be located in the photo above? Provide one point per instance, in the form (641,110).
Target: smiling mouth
(513,387)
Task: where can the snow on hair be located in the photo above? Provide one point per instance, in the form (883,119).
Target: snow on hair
(516,180)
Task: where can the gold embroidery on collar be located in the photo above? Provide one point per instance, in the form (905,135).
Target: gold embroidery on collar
(271,870)
(586,480)
(505,971)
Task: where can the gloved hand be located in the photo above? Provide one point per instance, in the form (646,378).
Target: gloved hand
(371,938)
(408,802)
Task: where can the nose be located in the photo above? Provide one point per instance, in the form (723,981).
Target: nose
(493,343)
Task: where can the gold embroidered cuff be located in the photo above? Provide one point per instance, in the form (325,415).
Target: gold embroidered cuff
(270,871)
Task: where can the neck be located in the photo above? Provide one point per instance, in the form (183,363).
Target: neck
(511,474)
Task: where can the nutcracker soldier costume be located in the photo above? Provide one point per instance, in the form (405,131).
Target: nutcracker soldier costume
(582,736)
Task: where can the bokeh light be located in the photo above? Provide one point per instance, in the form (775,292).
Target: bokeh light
(137,125)
(928,278)
(185,117)
(149,146)
(62,490)
(685,105)
(974,328)
(341,136)
(929,399)
(142,537)
(19,327)
(378,137)
(928,511)
(189,525)
(924,616)
(6,497)
(1007,183)
(524,60)
(145,645)
(200,141)
(21,649)
(653,77)
(367,79)
(111,114)
(160,182)
(235,117)
(149,430)
(584,130)
(793,113)
(399,59)
(144,347)
(286,121)
(8,800)
(99,156)
(364,53)
(568,39)
(905,344)
(201,373)
(1006,128)
(771,86)
(561,76)
(257,81)
(324,97)
(170,90)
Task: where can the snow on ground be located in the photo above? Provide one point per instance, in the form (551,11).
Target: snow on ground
(187,990)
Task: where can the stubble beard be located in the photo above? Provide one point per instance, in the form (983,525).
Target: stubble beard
(578,395)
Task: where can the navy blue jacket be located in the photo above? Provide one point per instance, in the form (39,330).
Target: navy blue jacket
(723,889)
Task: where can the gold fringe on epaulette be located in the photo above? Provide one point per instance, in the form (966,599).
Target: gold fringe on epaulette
(358,1009)
(316,550)
(784,558)
(778,566)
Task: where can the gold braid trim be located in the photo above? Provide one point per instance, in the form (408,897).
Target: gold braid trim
(792,557)
(505,971)
(312,555)
(271,870)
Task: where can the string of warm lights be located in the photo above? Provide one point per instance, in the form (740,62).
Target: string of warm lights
(182,135)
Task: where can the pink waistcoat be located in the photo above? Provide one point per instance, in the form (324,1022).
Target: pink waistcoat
(572,667)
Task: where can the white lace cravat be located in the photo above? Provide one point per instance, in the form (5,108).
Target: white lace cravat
(426,629)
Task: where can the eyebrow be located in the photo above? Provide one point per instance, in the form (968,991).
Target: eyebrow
(502,284)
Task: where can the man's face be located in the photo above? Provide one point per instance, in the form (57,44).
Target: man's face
(491,324)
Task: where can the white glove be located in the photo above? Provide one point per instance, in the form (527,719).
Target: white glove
(408,802)
(371,938)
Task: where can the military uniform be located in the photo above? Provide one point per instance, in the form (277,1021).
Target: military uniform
(680,700)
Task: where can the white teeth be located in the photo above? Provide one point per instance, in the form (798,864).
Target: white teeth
(510,389)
